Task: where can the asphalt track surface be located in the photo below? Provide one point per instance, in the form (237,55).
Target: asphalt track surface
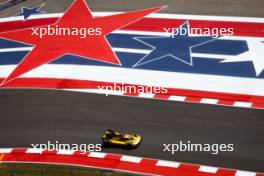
(36,116)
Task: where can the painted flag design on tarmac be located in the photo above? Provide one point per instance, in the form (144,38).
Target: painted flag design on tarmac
(224,66)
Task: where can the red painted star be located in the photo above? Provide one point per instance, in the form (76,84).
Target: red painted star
(49,48)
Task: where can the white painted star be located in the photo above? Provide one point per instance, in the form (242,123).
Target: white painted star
(255,54)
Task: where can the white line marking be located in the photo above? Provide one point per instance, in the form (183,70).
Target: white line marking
(244,173)
(209,101)
(128,50)
(208,169)
(133,32)
(146,95)
(6,150)
(34,150)
(113,92)
(243,104)
(124,50)
(131,159)
(97,91)
(5,50)
(65,152)
(39,16)
(177,98)
(97,155)
(168,163)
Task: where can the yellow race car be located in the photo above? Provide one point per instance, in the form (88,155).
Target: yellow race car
(112,138)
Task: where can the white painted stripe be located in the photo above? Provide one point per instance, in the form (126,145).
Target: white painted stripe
(112,92)
(192,17)
(39,16)
(6,150)
(97,155)
(146,95)
(108,92)
(211,56)
(208,169)
(97,91)
(168,163)
(65,152)
(245,173)
(125,50)
(34,150)
(153,15)
(177,98)
(243,104)
(161,34)
(5,50)
(128,50)
(187,81)
(131,159)
(209,101)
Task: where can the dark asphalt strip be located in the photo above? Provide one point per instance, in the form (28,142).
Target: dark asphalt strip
(252,8)
(36,116)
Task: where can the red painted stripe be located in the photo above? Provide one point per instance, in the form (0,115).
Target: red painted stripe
(79,153)
(225,172)
(225,102)
(49,152)
(156,25)
(257,105)
(18,151)
(16,25)
(162,96)
(131,94)
(194,99)
(260,175)
(192,95)
(188,167)
(113,157)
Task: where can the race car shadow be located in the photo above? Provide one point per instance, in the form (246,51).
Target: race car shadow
(109,146)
